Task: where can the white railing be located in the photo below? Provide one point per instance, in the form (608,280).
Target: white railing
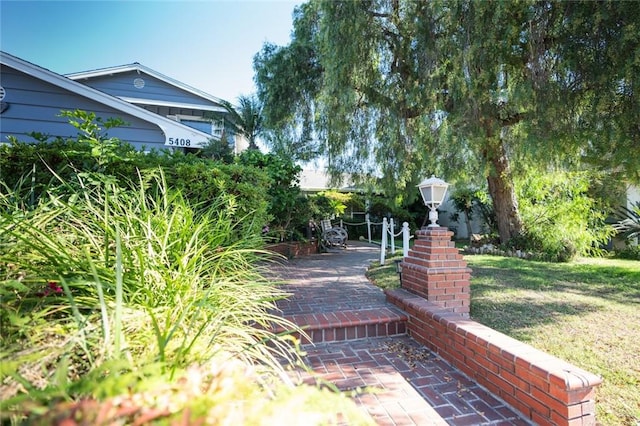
(388,229)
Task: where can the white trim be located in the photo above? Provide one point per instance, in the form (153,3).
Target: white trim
(633,195)
(171,129)
(217,125)
(172,104)
(143,69)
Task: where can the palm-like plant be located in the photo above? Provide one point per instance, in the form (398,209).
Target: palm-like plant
(628,223)
(247,118)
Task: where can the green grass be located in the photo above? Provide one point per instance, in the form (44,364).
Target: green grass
(586,312)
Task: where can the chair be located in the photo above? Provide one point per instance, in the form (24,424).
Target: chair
(332,236)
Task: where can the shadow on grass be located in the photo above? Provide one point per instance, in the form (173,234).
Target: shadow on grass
(516,317)
(609,280)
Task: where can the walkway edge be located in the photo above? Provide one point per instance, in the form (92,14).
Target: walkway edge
(544,388)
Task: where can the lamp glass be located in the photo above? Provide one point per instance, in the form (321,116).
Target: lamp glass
(433,191)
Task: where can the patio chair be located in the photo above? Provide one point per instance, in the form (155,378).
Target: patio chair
(332,236)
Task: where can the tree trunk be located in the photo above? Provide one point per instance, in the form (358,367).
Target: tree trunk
(505,203)
(467,214)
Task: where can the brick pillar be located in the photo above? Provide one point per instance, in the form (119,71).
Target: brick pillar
(435,270)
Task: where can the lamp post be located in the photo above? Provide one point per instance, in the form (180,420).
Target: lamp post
(433,191)
(398,263)
(434,268)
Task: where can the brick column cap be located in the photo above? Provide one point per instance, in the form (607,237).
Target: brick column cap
(435,231)
(437,270)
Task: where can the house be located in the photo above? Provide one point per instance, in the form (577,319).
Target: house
(633,196)
(313,181)
(160,112)
(167,97)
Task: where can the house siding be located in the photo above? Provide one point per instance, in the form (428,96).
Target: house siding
(633,196)
(35,105)
(122,85)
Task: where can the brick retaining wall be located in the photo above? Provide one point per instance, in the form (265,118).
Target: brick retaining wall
(294,249)
(545,389)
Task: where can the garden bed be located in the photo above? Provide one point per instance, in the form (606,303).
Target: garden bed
(292,249)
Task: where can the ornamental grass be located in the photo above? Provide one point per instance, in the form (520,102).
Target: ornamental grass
(110,290)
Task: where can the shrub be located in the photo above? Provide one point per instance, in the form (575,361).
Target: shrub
(203,182)
(104,286)
(285,201)
(631,252)
(32,169)
(561,219)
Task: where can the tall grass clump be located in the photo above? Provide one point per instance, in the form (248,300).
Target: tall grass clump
(106,287)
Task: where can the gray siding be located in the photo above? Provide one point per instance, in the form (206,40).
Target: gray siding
(34,106)
(121,85)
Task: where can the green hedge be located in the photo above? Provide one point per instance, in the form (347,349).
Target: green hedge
(32,169)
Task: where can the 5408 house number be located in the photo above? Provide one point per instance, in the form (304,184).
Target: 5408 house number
(179,142)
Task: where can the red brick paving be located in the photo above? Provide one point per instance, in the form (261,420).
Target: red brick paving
(361,346)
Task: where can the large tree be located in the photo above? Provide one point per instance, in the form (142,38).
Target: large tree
(456,87)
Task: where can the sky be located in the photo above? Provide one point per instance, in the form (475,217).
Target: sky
(209,45)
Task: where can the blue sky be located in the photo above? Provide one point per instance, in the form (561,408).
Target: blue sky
(207,44)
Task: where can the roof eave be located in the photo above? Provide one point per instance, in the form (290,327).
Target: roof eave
(170,128)
(143,69)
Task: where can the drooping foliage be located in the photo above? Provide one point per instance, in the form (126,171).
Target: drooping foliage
(465,89)
(599,44)
(563,218)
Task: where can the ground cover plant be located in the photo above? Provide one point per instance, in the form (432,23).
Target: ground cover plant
(128,298)
(585,312)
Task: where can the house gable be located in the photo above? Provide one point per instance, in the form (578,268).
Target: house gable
(136,85)
(165,96)
(33,98)
(34,105)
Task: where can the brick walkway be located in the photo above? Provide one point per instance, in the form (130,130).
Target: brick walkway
(360,343)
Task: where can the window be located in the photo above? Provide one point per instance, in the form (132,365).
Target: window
(217,127)
(208,126)
(203,126)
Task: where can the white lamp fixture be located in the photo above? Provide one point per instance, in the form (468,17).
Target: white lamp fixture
(433,191)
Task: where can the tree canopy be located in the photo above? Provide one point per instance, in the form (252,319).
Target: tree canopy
(398,89)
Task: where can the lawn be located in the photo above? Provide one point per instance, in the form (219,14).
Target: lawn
(586,312)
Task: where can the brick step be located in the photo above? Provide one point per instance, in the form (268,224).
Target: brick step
(348,325)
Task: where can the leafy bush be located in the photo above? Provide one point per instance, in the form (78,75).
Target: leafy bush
(286,204)
(561,219)
(32,169)
(631,252)
(109,279)
(91,151)
(219,150)
(202,182)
